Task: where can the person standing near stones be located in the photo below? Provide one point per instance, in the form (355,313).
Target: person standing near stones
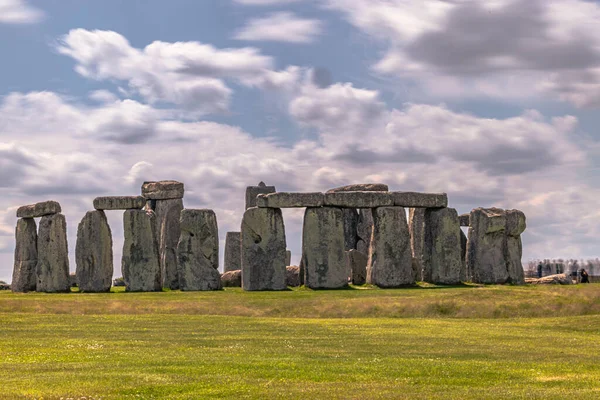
(540,269)
(585,278)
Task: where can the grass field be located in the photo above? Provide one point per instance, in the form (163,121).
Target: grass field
(459,342)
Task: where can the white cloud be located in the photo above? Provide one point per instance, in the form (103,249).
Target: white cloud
(281,27)
(19,12)
(103,96)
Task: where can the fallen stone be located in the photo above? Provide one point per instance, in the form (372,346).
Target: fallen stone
(323,248)
(163,190)
(416,227)
(263,249)
(198,251)
(94,253)
(361,187)
(442,262)
(350,216)
(26,256)
(288,257)
(167,219)
(39,209)
(358,199)
(390,257)
(232,278)
(558,279)
(233,255)
(292,276)
(119,203)
(253,191)
(290,200)
(52,269)
(140,261)
(486,246)
(464,219)
(419,200)
(357,265)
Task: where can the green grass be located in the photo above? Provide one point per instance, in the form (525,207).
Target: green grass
(465,342)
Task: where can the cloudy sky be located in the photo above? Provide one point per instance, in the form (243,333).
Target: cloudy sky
(495,102)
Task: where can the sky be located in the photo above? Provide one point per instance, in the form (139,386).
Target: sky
(494,102)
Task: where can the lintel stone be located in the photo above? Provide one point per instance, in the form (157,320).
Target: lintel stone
(119,203)
(162,190)
(361,187)
(420,200)
(358,199)
(39,209)
(290,200)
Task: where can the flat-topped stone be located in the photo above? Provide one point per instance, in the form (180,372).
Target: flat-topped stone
(290,200)
(253,191)
(361,187)
(162,190)
(39,209)
(119,203)
(464,219)
(358,199)
(420,200)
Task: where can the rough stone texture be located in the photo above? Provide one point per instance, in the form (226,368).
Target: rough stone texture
(464,219)
(465,275)
(390,256)
(233,255)
(292,276)
(253,191)
(364,230)
(301,270)
(52,268)
(357,265)
(198,251)
(420,200)
(140,262)
(94,253)
(162,190)
(288,258)
(263,249)
(416,227)
(323,248)
(361,187)
(119,203)
(290,200)
(26,256)
(441,251)
(39,209)
(358,199)
(559,279)
(168,230)
(515,225)
(232,278)
(350,216)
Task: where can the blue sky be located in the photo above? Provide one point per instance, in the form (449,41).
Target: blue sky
(494,102)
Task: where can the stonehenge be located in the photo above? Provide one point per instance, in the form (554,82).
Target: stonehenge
(26,256)
(52,269)
(233,255)
(442,263)
(93,253)
(357,265)
(253,191)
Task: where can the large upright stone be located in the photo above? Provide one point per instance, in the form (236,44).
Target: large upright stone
(167,219)
(464,219)
(253,191)
(357,264)
(94,253)
(441,251)
(416,227)
(288,258)
(350,216)
(361,187)
(364,230)
(290,200)
(465,275)
(162,190)
(390,256)
(233,256)
(26,256)
(119,203)
(39,209)
(198,251)
(140,263)
(323,248)
(515,225)
(422,200)
(263,249)
(52,268)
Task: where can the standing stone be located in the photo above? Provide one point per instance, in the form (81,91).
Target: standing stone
(515,225)
(26,256)
(390,255)
(441,251)
(233,256)
(357,264)
(288,258)
(198,251)
(416,227)
(168,229)
(486,246)
(253,191)
(301,270)
(350,216)
(465,275)
(323,248)
(52,268)
(263,249)
(364,230)
(140,263)
(93,253)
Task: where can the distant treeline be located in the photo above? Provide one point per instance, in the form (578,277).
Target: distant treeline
(559,266)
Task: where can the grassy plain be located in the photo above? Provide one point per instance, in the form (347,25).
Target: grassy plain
(457,343)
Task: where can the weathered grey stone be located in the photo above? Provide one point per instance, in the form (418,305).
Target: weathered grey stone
(301,270)
(416,227)
(198,251)
(558,279)
(362,246)
(463,219)
(167,219)
(361,187)
(253,191)
(515,222)
(323,248)
(73,280)
(357,264)
(39,209)
(350,216)
(140,261)
(52,268)
(290,200)
(119,203)
(288,258)
(485,248)
(292,276)
(390,256)
(233,255)
(93,253)
(419,200)
(441,251)
(263,249)
(515,225)
(364,230)
(163,190)
(465,275)
(26,256)
(232,278)
(358,199)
